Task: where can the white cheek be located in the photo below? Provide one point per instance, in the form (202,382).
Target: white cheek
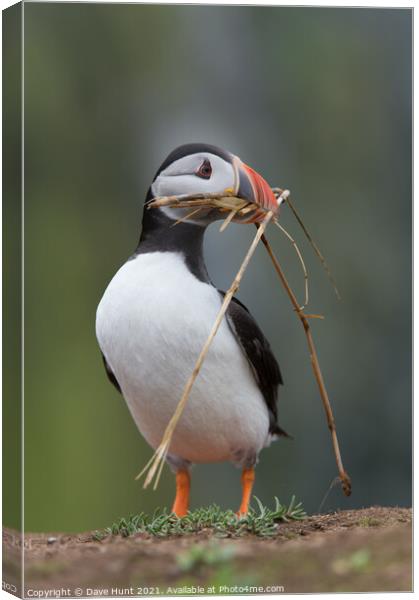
(171,183)
(221,179)
(179,185)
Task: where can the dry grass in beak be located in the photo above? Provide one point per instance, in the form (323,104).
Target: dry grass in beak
(236,207)
(227,202)
(228,219)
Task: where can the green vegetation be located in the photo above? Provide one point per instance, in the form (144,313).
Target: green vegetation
(356,562)
(261,522)
(369,522)
(212,554)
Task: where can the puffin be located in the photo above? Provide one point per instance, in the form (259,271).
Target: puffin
(157,312)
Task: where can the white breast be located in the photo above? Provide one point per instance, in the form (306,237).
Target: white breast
(151,324)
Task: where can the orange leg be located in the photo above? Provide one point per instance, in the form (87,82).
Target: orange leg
(183,487)
(248,479)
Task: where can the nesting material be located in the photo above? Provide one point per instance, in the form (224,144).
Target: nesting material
(238,210)
(235,208)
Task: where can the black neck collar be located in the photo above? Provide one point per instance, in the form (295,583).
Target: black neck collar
(159,235)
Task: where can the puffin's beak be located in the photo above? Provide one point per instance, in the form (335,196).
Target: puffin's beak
(252,187)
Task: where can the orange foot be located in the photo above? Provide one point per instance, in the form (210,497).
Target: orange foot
(183,487)
(247,479)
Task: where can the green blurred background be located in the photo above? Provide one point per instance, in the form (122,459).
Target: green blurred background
(317,100)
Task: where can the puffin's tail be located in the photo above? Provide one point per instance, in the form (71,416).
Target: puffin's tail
(276,431)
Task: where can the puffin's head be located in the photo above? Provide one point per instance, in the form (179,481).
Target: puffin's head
(201,168)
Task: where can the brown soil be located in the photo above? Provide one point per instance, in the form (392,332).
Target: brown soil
(360,550)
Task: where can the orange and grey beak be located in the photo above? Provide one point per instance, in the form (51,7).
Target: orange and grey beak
(255,189)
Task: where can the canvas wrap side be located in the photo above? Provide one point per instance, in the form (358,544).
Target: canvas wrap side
(12,298)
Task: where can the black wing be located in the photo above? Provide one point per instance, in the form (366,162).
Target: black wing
(110,374)
(260,356)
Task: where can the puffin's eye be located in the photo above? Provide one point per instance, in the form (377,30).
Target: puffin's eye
(205,170)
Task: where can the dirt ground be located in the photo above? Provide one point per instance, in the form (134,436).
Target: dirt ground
(360,550)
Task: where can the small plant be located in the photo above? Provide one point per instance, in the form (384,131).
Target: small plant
(262,522)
